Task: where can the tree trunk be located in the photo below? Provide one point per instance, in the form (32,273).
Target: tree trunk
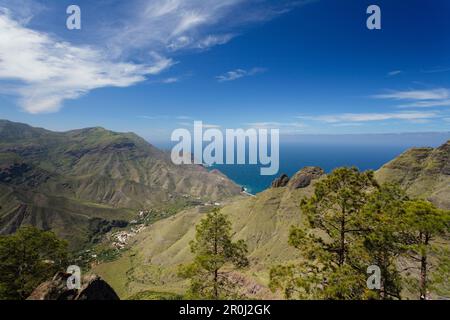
(423,270)
(342,243)
(216,289)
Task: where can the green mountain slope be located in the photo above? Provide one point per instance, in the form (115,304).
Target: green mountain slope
(262,221)
(61,180)
(423,172)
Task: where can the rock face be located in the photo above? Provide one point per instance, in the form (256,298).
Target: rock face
(303,178)
(281,181)
(92,288)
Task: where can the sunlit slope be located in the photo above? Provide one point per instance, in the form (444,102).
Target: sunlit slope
(262,221)
(423,172)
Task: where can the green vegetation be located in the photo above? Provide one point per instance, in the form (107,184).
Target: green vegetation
(331,268)
(264,223)
(382,219)
(65,181)
(85,184)
(423,224)
(154,295)
(422,172)
(27,258)
(214,250)
(354,223)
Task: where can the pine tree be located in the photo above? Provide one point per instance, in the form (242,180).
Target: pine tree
(382,217)
(27,258)
(423,224)
(331,244)
(215,257)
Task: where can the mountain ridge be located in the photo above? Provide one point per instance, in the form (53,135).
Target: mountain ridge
(262,221)
(57,179)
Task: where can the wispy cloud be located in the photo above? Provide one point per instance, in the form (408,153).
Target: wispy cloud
(189,24)
(419,98)
(394,73)
(49,71)
(239,73)
(153,117)
(437,70)
(204,125)
(367,117)
(184,118)
(171,80)
(274,124)
(44,71)
(284,127)
(434,94)
(427,104)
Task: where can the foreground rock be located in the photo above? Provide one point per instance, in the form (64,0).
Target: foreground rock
(92,288)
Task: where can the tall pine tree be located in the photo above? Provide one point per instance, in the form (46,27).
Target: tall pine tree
(215,258)
(331,243)
(382,218)
(424,223)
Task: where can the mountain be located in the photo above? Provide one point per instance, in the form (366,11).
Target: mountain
(422,172)
(71,182)
(263,222)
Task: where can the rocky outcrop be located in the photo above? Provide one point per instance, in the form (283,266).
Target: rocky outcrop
(303,178)
(281,181)
(92,288)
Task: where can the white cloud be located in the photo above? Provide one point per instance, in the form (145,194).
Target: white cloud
(434,94)
(437,70)
(239,73)
(427,104)
(419,98)
(214,40)
(171,80)
(274,124)
(204,125)
(187,24)
(50,71)
(44,71)
(284,127)
(394,73)
(210,126)
(367,117)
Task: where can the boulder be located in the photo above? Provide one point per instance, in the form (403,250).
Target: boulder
(281,181)
(303,178)
(92,288)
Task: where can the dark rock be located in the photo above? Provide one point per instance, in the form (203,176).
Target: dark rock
(92,288)
(303,178)
(281,181)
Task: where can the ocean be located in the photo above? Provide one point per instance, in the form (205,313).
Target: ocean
(364,151)
(328,156)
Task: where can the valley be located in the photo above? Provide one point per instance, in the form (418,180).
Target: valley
(129,214)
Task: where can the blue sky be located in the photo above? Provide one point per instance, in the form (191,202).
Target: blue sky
(150,66)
